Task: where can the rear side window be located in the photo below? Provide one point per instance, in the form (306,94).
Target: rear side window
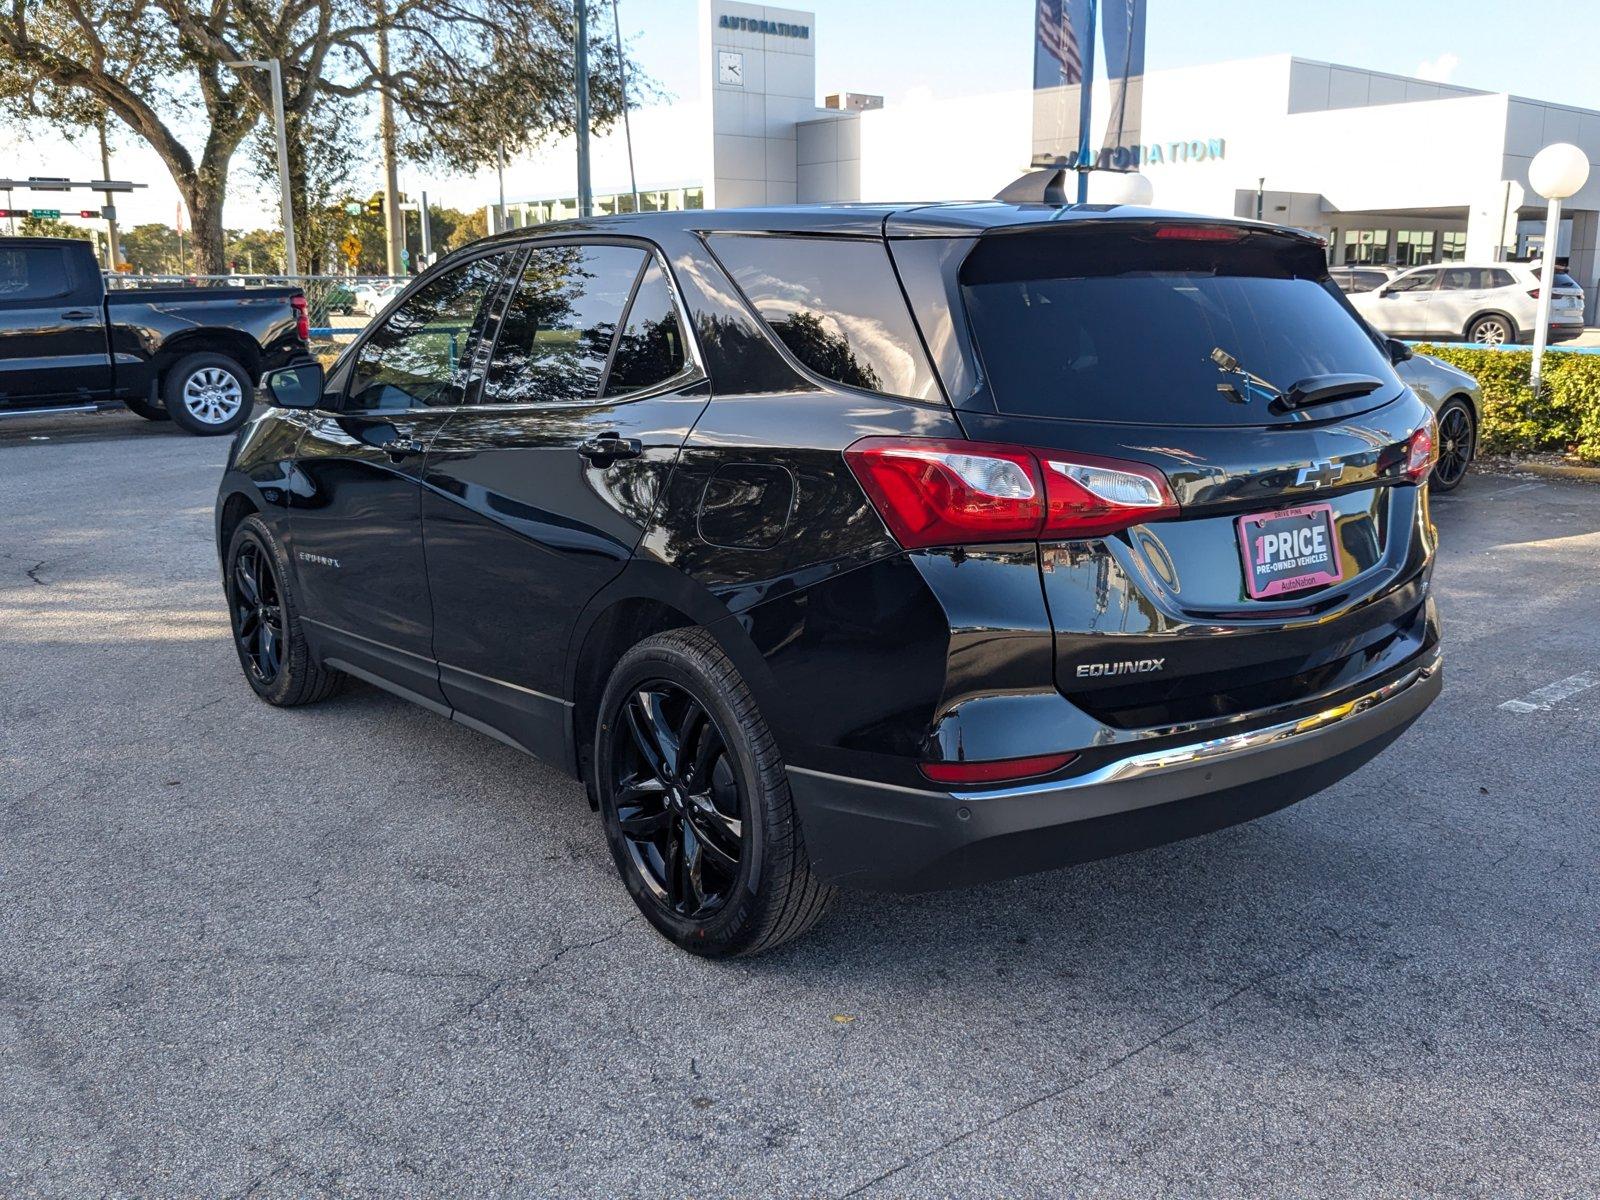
(420,355)
(557,330)
(836,304)
(1122,327)
(1474,279)
(34,273)
(650,347)
(1562,280)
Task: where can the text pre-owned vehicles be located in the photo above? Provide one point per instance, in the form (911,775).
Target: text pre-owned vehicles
(1491,304)
(895,547)
(193,354)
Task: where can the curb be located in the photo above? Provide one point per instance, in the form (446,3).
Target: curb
(1546,470)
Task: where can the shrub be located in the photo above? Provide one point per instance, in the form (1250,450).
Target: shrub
(1563,419)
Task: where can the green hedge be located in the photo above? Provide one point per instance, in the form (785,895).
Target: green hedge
(1563,419)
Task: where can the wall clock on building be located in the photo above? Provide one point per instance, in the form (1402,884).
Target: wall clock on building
(730,68)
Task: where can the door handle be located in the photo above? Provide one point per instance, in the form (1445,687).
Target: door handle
(400,447)
(608,448)
(79,314)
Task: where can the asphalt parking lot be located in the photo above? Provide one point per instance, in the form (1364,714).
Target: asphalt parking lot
(357,950)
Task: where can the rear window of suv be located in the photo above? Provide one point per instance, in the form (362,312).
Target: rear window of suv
(1121,326)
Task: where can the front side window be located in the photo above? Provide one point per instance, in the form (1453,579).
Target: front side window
(1417,281)
(836,304)
(419,356)
(557,331)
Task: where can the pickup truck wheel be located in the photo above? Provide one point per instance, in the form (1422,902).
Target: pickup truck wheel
(150,412)
(696,802)
(207,394)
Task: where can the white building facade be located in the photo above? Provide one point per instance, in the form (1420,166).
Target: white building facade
(1388,169)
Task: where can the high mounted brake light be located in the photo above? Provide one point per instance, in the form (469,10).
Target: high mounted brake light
(949,492)
(1199,233)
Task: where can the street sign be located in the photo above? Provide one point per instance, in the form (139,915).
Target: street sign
(45,214)
(352,208)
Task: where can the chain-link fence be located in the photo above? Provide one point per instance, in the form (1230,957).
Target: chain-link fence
(339,305)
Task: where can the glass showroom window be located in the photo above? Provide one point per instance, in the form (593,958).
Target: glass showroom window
(1453,245)
(1366,246)
(1413,247)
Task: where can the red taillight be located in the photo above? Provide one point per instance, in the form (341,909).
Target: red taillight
(302,318)
(947,492)
(1421,453)
(1089,496)
(1199,233)
(1001,770)
(1534,292)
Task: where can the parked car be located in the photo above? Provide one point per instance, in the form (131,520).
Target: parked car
(862,546)
(1457,403)
(1491,305)
(194,354)
(371,297)
(1362,278)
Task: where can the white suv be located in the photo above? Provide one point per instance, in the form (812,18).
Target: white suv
(1487,304)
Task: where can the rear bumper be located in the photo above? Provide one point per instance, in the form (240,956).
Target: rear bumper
(871,835)
(1564,333)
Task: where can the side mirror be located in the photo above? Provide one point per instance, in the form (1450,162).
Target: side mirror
(299,386)
(1399,352)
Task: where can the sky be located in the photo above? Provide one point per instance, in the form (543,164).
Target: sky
(906,48)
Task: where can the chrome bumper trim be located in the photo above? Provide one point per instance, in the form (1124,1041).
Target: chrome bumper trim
(1172,758)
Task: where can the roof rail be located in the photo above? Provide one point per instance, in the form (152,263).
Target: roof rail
(1045,186)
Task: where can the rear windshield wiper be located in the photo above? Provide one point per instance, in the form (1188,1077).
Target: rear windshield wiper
(1323,389)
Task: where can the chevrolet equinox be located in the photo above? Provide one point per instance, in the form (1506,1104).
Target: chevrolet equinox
(895,547)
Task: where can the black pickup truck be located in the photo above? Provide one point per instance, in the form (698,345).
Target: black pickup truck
(194,354)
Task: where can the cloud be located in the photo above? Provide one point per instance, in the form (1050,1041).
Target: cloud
(1439,69)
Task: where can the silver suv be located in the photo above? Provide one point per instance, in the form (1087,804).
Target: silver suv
(1490,305)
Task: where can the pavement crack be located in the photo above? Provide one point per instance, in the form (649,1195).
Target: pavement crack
(33,572)
(1103,1069)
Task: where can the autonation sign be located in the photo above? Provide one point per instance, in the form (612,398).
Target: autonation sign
(774,28)
(1146,154)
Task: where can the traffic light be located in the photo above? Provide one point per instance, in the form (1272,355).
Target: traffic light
(375,207)
(93,213)
(6,213)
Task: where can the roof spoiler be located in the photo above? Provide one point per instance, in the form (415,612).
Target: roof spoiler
(1046,186)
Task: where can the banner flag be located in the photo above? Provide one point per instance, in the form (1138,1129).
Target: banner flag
(1064,57)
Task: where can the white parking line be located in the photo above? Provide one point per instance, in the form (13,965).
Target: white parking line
(1553,693)
(1533,485)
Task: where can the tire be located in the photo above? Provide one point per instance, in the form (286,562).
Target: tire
(672,832)
(1492,329)
(150,412)
(297,677)
(207,394)
(1458,446)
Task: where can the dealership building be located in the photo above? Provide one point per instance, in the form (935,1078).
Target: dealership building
(1389,169)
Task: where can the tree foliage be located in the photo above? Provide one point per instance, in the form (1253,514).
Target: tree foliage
(467,78)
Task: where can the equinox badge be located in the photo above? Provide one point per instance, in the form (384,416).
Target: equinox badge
(1137,666)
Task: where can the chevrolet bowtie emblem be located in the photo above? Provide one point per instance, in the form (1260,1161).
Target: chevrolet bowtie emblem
(1322,473)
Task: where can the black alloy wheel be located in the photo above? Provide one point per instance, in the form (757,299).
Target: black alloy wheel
(696,802)
(678,803)
(1457,439)
(257,614)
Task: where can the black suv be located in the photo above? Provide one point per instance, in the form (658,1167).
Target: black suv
(875,546)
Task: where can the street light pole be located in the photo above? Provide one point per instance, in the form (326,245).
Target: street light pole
(622,79)
(581,69)
(394,224)
(113,257)
(291,260)
(1558,171)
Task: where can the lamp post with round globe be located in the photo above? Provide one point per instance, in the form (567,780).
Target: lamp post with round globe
(1556,172)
